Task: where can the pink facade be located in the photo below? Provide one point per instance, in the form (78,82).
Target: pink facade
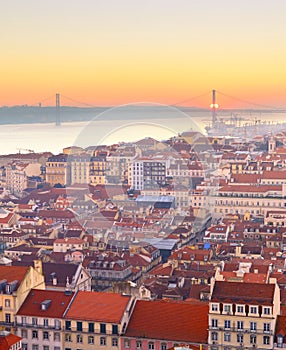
(127,343)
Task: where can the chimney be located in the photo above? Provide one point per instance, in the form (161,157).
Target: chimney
(38,266)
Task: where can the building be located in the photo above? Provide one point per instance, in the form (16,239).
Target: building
(241,316)
(96,320)
(9,341)
(58,170)
(15,284)
(39,320)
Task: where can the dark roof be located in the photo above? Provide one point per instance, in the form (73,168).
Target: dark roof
(243,292)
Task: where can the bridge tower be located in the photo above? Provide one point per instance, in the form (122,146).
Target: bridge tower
(58,110)
(214,107)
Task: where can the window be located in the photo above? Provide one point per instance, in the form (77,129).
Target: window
(253,339)
(57,324)
(239,338)
(239,324)
(79,338)
(24,320)
(46,322)
(114,329)
(226,308)
(8,318)
(57,336)
(91,327)
(45,335)
(79,326)
(279,341)
(150,345)
(34,321)
(253,309)
(45,347)
(35,334)
(102,341)
(126,343)
(240,308)
(114,342)
(35,347)
(214,323)
(24,333)
(163,346)
(253,326)
(68,325)
(103,328)
(138,345)
(266,327)
(266,310)
(226,337)
(266,340)
(24,346)
(227,324)
(214,307)
(214,335)
(7,302)
(91,339)
(57,348)
(68,338)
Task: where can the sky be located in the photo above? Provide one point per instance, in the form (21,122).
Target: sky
(112,52)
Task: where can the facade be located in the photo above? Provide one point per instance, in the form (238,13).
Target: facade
(9,341)
(15,284)
(58,170)
(145,172)
(39,320)
(96,320)
(243,317)
(253,199)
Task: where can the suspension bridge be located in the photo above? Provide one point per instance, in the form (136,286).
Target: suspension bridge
(213,101)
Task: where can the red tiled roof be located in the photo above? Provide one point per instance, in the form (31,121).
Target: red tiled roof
(12,273)
(9,340)
(32,304)
(250,188)
(169,320)
(97,306)
(243,292)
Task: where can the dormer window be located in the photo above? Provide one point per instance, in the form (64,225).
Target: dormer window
(253,309)
(240,308)
(266,310)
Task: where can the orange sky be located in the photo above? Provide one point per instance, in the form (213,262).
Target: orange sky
(110,52)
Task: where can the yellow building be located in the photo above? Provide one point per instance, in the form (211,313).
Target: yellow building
(243,315)
(97,170)
(96,320)
(15,284)
(58,170)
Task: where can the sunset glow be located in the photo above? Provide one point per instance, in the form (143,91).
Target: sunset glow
(114,52)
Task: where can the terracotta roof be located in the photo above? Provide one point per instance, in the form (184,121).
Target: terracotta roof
(243,292)
(169,320)
(100,307)
(56,309)
(12,273)
(6,341)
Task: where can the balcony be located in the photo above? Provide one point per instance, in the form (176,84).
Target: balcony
(41,326)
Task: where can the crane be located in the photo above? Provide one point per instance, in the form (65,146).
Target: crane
(24,149)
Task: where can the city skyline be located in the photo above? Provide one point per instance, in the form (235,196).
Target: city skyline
(110,53)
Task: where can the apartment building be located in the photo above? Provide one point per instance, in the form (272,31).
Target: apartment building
(58,170)
(96,320)
(145,172)
(253,199)
(15,284)
(242,316)
(39,320)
